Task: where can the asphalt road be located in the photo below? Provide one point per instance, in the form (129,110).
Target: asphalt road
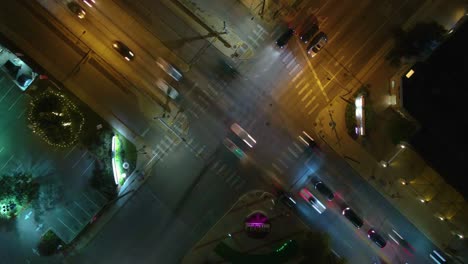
(179,201)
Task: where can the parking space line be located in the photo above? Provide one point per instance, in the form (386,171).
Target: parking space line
(2,149)
(90,200)
(13,104)
(68,153)
(76,163)
(3,97)
(306,95)
(297,146)
(11,157)
(313,109)
(21,114)
(68,211)
(89,166)
(71,230)
(82,209)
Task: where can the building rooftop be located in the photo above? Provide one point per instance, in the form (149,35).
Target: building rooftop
(437,96)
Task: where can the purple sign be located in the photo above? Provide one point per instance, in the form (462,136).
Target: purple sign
(257,225)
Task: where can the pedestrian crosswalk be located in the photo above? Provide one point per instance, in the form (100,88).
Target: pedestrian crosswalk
(257,36)
(301,92)
(288,156)
(230,176)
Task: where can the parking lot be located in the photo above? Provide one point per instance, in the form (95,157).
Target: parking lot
(23,151)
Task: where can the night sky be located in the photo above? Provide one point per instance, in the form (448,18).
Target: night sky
(437,96)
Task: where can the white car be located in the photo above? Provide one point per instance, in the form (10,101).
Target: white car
(169,69)
(167,89)
(312,200)
(240,132)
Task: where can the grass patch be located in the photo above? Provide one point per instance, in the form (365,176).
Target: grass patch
(49,243)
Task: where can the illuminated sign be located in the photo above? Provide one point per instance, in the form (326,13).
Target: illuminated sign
(257,225)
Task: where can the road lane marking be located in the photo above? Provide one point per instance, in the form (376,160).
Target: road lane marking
(306,95)
(300,82)
(297,75)
(310,101)
(294,153)
(303,88)
(277,168)
(283,163)
(319,83)
(313,109)
(294,69)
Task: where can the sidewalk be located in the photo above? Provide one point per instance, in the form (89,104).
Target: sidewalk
(415,189)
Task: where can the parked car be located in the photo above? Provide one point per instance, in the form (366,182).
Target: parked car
(324,190)
(317,43)
(353,217)
(123,50)
(378,239)
(287,199)
(305,37)
(284,38)
(76,9)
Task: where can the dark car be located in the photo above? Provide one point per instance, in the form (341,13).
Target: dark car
(353,217)
(76,9)
(317,43)
(287,199)
(378,239)
(284,38)
(309,33)
(324,190)
(123,50)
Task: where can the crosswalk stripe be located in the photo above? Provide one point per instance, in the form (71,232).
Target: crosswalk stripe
(221,169)
(306,95)
(310,101)
(231,176)
(290,63)
(298,75)
(276,167)
(303,88)
(313,109)
(293,69)
(297,146)
(287,56)
(300,82)
(283,163)
(294,153)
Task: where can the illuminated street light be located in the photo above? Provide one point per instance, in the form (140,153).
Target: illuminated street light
(403,183)
(423,201)
(460,236)
(441,218)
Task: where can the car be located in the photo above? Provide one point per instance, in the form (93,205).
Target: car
(287,199)
(324,190)
(76,9)
(317,43)
(89,3)
(309,33)
(284,38)
(352,217)
(167,89)
(308,140)
(169,69)
(123,50)
(312,200)
(242,134)
(234,148)
(378,239)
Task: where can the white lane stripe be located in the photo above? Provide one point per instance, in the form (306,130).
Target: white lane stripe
(290,63)
(283,163)
(439,255)
(294,153)
(297,75)
(293,69)
(306,95)
(299,83)
(433,258)
(313,109)
(297,146)
(287,56)
(310,101)
(276,167)
(303,88)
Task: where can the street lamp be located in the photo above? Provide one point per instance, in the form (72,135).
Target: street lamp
(401,147)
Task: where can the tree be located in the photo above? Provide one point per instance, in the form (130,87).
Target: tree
(416,43)
(315,247)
